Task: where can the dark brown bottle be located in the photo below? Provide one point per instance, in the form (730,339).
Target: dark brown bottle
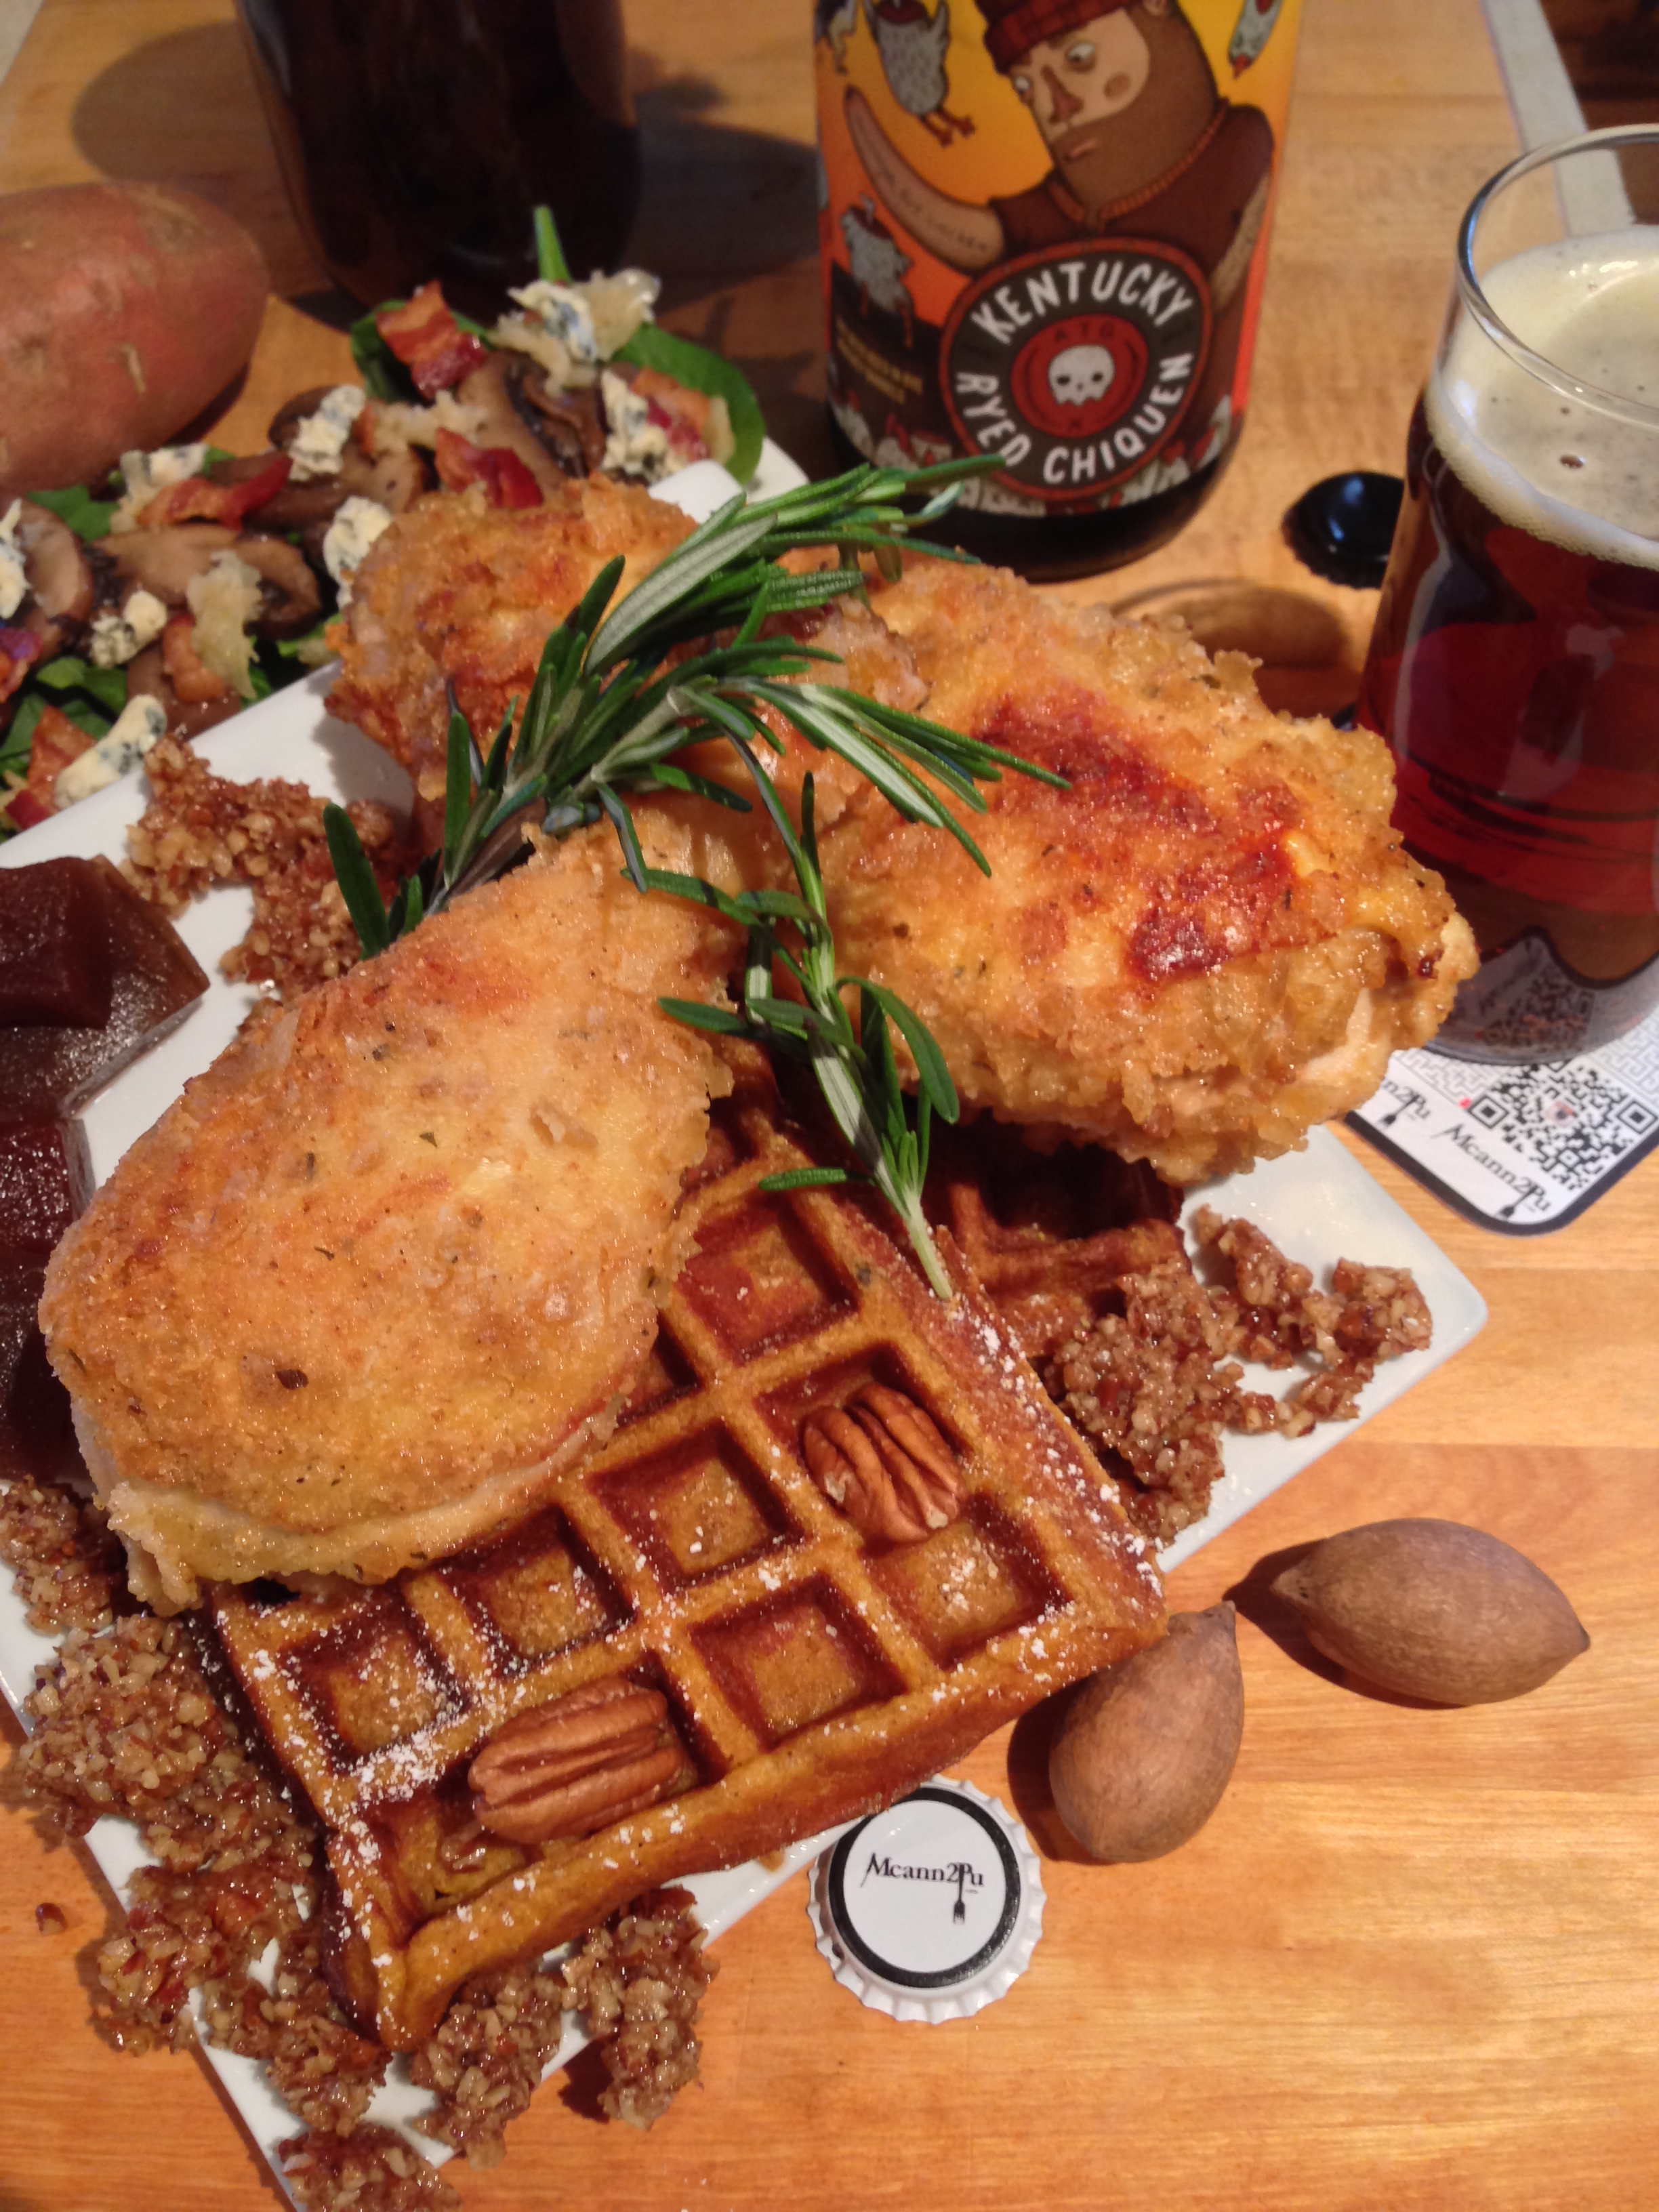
(416,136)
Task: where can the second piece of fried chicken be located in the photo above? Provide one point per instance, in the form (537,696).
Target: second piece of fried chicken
(457,593)
(465,595)
(1210,940)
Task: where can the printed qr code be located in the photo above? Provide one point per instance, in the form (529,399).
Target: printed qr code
(1570,1123)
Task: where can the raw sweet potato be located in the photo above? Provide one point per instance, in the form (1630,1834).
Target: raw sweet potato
(124,309)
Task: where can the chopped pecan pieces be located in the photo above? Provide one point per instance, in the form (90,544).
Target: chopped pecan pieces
(573,1766)
(883,1460)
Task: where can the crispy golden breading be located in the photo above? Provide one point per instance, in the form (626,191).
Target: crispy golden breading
(1210,941)
(466,594)
(388,1264)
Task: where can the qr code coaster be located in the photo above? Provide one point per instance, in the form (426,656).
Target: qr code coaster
(1521,1149)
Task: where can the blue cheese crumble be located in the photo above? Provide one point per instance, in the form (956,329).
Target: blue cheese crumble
(118,638)
(571,329)
(634,446)
(136,729)
(348,537)
(563,313)
(319,443)
(14,576)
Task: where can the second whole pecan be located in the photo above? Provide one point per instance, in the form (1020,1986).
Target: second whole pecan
(571,1767)
(882,1459)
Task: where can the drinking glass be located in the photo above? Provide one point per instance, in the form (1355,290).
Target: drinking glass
(1515,665)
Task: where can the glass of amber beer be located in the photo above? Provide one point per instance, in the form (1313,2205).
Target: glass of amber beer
(1514,667)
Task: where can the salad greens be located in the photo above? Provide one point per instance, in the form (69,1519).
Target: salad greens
(694,366)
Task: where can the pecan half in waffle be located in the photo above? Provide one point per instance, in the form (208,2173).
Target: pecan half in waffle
(809,1670)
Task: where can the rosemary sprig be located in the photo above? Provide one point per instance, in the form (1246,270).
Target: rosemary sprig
(855,1069)
(615,695)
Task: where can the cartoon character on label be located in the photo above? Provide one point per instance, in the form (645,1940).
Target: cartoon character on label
(1094,346)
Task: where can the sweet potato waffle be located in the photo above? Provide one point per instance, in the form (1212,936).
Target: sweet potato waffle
(1051,1235)
(808,1673)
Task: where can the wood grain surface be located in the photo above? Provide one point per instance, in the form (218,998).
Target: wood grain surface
(1412,1961)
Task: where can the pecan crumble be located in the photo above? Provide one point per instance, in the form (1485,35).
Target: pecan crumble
(126,1722)
(490,2050)
(199,829)
(1153,1386)
(640,1979)
(71,1570)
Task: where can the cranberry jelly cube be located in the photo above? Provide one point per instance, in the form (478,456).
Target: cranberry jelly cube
(46,1178)
(37,1434)
(54,946)
(48,1070)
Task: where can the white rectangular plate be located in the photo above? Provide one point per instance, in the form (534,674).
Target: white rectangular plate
(1318,1206)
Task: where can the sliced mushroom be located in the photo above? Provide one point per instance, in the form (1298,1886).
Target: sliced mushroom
(241,467)
(396,480)
(302,506)
(147,677)
(570,424)
(292,601)
(165,560)
(307,507)
(393,479)
(489,386)
(62,587)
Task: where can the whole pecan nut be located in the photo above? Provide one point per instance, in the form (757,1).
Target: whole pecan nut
(882,1459)
(573,1766)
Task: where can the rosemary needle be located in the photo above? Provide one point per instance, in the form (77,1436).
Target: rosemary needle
(606,712)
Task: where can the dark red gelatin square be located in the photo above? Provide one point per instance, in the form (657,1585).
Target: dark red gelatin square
(46,1178)
(37,1434)
(48,1070)
(54,946)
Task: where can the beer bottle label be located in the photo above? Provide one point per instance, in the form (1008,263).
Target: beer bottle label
(1044,234)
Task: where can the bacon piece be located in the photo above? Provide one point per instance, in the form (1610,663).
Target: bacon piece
(55,743)
(18,647)
(676,408)
(431,344)
(193,682)
(23,810)
(497,468)
(198,499)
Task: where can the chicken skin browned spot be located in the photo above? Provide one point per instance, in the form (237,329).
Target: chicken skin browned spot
(1210,941)
(389,1264)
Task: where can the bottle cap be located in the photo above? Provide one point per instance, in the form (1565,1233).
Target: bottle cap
(932,1909)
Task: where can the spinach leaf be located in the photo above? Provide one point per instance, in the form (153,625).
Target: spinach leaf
(87,515)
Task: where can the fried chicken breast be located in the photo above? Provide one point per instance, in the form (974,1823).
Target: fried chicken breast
(1210,941)
(388,1265)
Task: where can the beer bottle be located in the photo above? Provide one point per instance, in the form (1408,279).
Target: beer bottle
(415,136)
(1043,236)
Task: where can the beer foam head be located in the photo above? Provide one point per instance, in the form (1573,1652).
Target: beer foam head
(1557,466)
